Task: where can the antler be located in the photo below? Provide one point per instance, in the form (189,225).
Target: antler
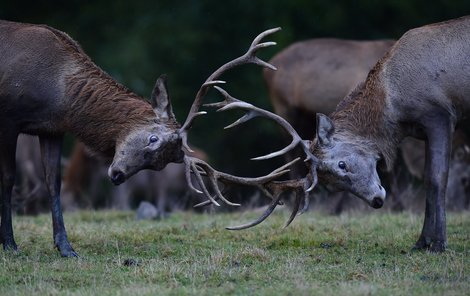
(248,58)
(252,112)
(266,183)
(278,188)
(274,189)
(201,168)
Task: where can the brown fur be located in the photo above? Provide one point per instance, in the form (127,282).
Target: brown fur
(362,113)
(97,101)
(314,75)
(104,111)
(50,87)
(100,111)
(78,169)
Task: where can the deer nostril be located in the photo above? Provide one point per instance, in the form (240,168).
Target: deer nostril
(117,178)
(377,203)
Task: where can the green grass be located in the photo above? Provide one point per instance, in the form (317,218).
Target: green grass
(353,254)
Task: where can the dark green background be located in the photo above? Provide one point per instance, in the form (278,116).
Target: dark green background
(136,41)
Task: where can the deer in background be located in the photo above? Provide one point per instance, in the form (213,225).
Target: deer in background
(314,75)
(458,187)
(50,87)
(29,193)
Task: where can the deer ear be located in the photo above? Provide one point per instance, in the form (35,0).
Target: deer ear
(160,100)
(325,129)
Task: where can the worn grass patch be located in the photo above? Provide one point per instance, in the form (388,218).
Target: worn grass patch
(353,254)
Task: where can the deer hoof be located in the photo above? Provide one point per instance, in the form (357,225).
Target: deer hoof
(438,246)
(423,243)
(69,254)
(10,245)
(66,250)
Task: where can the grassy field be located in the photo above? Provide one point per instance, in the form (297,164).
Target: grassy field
(353,254)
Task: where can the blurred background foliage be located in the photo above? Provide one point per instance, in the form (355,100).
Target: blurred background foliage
(136,41)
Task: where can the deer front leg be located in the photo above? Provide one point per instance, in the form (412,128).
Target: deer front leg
(51,152)
(438,148)
(7,179)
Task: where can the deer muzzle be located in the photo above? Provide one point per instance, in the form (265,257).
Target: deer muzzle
(377,203)
(117,177)
(378,200)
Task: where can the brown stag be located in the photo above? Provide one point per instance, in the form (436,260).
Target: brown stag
(49,87)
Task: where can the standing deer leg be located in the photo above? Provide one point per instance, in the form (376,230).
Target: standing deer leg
(7,174)
(438,149)
(51,152)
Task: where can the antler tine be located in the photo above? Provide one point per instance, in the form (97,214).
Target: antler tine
(276,173)
(252,111)
(271,188)
(278,188)
(300,186)
(261,218)
(247,58)
(230,102)
(306,204)
(191,166)
(299,196)
(214,176)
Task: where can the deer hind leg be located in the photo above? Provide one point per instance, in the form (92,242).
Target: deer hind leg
(51,152)
(439,131)
(7,179)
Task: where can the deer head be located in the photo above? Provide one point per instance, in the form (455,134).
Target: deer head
(150,146)
(347,163)
(162,143)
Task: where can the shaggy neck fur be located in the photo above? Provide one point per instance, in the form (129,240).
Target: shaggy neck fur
(102,111)
(362,113)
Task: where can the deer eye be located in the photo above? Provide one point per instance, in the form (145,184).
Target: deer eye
(342,165)
(153,139)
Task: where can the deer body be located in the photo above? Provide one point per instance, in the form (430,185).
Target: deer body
(420,88)
(49,87)
(314,75)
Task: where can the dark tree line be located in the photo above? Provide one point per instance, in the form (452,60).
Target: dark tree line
(136,41)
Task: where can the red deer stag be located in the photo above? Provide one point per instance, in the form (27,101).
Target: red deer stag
(50,87)
(420,89)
